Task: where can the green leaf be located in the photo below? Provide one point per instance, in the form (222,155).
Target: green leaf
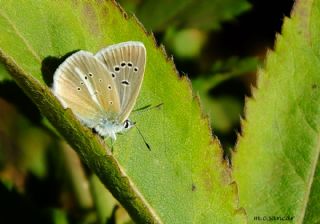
(208,14)
(183,179)
(224,111)
(161,14)
(103,200)
(276,164)
(224,71)
(58,216)
(202,14)
(4,75)
(185,43)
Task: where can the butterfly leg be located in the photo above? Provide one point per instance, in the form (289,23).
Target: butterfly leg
(112,142)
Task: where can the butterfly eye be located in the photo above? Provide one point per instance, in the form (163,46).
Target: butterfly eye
(123,64)
(135,69)
(126,124)
(129,64)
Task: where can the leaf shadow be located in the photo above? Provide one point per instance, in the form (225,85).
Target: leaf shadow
(50,64)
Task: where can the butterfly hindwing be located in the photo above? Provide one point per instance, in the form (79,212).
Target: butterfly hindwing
(126,63)
(84,84)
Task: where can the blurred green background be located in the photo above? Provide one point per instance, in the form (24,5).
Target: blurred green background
(218,44)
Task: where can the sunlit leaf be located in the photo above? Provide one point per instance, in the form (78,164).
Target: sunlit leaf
(183,179)
(277,161)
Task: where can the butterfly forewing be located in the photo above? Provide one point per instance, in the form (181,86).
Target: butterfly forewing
(126,63)
(85,85)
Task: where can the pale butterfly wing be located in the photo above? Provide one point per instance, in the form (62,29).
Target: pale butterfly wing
(84,84)
(126,62)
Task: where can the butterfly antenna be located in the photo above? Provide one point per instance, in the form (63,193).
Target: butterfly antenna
(144,140)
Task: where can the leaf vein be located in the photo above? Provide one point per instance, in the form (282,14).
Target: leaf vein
(30,48)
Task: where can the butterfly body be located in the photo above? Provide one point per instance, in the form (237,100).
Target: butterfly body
(111,128)
(102,89)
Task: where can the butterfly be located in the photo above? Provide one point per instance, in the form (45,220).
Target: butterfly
(102,89)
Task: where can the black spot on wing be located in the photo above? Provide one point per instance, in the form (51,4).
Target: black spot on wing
(125,82)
